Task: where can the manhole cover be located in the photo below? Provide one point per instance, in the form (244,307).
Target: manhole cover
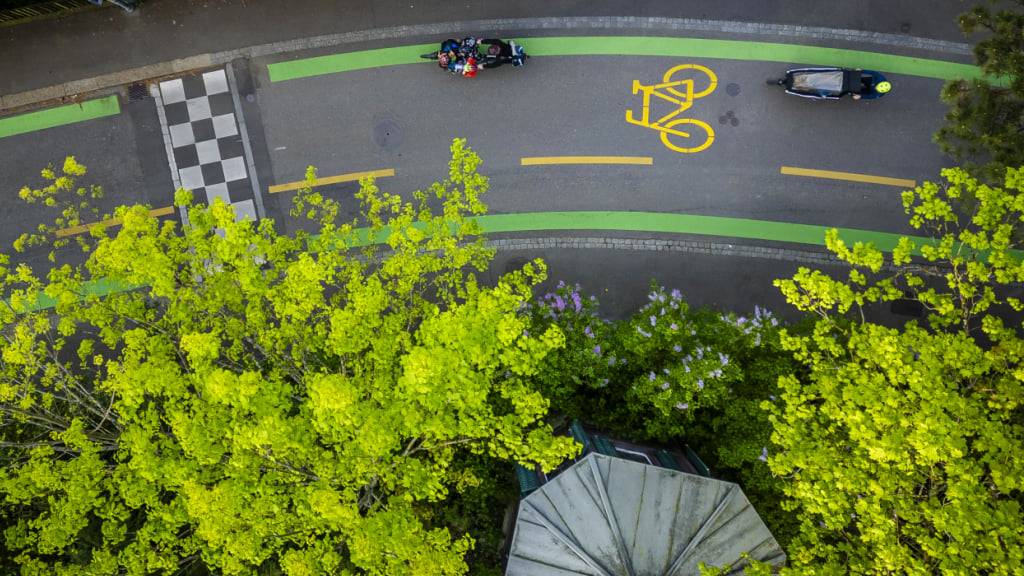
(733,89)
(515,263)
(387,135)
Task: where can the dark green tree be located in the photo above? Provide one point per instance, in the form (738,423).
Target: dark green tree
(984,128)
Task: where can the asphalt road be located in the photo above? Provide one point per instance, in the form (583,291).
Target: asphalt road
(403,117)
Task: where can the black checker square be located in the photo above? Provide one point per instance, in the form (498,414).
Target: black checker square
(213,173)
(194,86)
(186,156)
(230,147)
(239,190)
(221,104)
(203,130)
(176,113)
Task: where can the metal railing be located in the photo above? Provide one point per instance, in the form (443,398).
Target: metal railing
(42,10)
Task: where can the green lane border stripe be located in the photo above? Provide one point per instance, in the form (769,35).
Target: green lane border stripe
(643,46)
(59,116)
(620,222)
(683,224)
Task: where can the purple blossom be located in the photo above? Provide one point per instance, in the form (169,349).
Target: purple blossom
(654,320)
(561,283)
(664,385)
(664,370)
(741,321)
(686,368)
(661,297)
(526,333)
(723,358)
(700,384)
(682,406)
(674,326)
(576,302)
(611,360)
(588,332)
(642,333)
(597,350)
(676,294)
(559,303)
(677,348)
(652,296)
(764,454)
(652,376)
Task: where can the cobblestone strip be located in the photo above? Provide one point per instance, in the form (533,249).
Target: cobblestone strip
(664,245)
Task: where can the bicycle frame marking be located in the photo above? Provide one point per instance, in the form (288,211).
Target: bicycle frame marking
(668,90)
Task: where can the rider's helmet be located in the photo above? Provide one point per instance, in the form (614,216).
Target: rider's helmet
(883,87)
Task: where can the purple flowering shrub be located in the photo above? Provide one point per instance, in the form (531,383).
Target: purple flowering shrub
(582,366)
(675,375)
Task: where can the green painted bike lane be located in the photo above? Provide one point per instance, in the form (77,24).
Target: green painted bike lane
(650,222)
(59,116)
(641,46)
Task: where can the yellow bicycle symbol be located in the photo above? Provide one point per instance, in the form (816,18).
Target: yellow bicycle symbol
(678,87)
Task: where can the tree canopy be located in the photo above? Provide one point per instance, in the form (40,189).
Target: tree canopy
(984,130)
(260,403)
(903,449)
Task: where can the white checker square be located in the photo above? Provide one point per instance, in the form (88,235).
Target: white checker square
(244,210)
(224,125)
(208,152)
(191,177)
(234,169)
(172,91)
(215,81)
(214,191)
(198,108)
(182,135)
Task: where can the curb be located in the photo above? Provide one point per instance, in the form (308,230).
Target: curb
(115,79)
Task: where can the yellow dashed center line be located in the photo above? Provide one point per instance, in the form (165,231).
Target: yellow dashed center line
(543,160)
(850,176)
(350,177)
(81,228)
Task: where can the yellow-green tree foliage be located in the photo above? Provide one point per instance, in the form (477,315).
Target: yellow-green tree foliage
(263,403)
(903,448)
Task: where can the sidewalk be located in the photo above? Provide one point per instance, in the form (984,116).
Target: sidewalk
(86,45)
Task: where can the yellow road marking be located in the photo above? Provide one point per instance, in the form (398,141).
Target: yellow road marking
(350,177)
(64,232)
(902,183)
(541,160)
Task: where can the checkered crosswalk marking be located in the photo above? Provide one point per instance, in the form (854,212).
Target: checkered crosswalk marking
(205,148)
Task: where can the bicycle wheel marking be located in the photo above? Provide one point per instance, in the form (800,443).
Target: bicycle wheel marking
(680,85)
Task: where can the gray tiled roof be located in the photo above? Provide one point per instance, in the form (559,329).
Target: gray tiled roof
(607,516)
